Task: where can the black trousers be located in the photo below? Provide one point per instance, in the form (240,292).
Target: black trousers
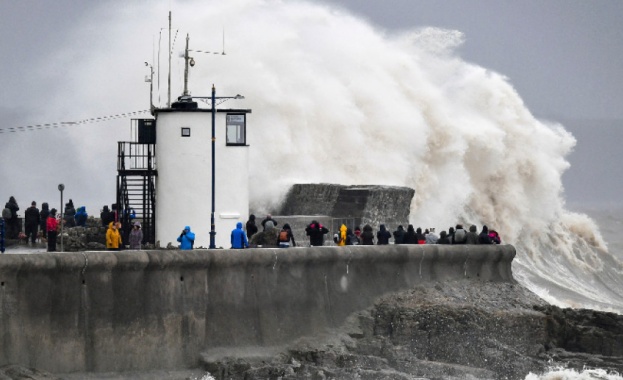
(31,229)
(51,241)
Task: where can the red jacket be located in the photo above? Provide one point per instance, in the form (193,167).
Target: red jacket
(52,223)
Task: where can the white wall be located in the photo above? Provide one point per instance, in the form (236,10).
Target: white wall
(183,186)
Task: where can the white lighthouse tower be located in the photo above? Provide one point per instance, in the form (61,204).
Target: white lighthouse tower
(197,168)
(188,167)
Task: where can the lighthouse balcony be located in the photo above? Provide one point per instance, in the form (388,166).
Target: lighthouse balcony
(135,158)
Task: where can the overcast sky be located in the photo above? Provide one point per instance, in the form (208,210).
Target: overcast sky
(564,57)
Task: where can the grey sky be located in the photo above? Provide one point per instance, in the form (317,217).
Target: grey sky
(564,57)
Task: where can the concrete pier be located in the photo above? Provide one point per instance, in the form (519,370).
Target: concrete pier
(138,310)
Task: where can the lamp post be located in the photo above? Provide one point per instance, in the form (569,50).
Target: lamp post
(61,187)
(212,226)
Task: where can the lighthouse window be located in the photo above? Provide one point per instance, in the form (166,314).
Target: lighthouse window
(236,129)
(185,132)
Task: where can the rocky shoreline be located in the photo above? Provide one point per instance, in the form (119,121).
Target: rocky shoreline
(443,331)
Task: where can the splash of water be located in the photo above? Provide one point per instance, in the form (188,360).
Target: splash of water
(569,374)
(337,100)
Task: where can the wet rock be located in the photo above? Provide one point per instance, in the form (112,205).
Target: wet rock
(15,372)
(445,331)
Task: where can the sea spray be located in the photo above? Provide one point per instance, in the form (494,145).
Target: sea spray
(338,100)
(569,374)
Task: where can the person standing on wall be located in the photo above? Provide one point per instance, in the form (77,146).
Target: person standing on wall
(31,222)
(52,227)
(187,239)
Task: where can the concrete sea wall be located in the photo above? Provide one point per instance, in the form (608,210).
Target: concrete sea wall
(137,310)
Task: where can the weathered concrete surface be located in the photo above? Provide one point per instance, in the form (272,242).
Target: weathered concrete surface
(363,204)
(102,311)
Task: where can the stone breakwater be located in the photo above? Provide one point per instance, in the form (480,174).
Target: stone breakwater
(375,312)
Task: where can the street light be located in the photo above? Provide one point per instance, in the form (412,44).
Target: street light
(61,187)
(214,97)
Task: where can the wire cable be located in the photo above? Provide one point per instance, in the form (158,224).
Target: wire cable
(71,123)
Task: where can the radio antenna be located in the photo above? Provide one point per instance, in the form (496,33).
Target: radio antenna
(169,91)
(223,41)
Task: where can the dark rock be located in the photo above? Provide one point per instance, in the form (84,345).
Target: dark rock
(446,331)
(15,372)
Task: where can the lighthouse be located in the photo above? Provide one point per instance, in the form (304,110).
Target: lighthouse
(188,166)
(196,168)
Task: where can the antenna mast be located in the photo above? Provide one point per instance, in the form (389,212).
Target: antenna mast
(169,101)
(186,62)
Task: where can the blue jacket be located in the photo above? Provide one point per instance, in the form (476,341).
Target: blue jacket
(81,216)
(239,237)
(186,239)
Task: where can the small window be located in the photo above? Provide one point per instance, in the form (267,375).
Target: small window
(236,129)
(185,132)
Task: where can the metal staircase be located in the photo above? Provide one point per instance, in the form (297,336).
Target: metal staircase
(136,183)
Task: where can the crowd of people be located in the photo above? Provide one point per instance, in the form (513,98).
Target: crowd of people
(283,237)
(44,225)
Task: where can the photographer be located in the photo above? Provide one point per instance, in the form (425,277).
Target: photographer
(186,239)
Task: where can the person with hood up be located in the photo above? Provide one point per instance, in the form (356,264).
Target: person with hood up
(352,238)
(495,237)
(187,239)
(410,236)
(382,235)
(443,238)
(484,237)
(316,232)
(136,236)
(239,237)
(81,216)
(251,226)
(472,236)
(12,222)
(340,236)
(51,226)
(399,235)
(70,213)
(419,236)
(106,216)
(43,219)
(113,237)
(367,236)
